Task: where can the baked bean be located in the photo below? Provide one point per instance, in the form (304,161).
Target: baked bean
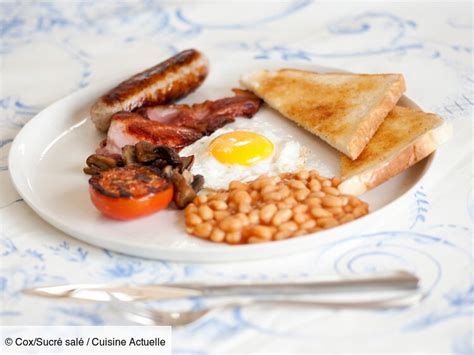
(335,211)
(243,218)
(267,189)
(318,212)
(241,196)
(230,224)
(217,235)
(300,217)
(302,175)
(233,237)
(288,226)
(254,195)
(191,208)
(284,191)
(282,235)
(318,194)
(300,208)
(237,185)
(345,200)
(275,180)
(301,194)
(354,201)
(295,184)
(327,222)
(218,205)
(346,218)
(221,196)
(290,201)
(219,215)
(314,185)
(359,211)
(272,208)
(332,201)
(331,190)
(244,207)
(203,230)
(262,232)
(193,219)
(254,217)
(299,232)
(253,240)
(348,208)
(205,212)
(313,202)
(200,200)
(315,229)
(281,217)
(273,196)
(326,183)
(267,212)
(308,224)
(261,182)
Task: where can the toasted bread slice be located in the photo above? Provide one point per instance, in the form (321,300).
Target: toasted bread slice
(343,109)
(405,137)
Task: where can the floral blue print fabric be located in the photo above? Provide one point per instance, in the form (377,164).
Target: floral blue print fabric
(50,49)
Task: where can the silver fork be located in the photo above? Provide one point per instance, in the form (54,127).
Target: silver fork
(143,315)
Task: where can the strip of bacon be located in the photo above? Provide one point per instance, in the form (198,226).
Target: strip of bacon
(177,125)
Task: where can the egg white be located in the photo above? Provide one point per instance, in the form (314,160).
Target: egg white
(288,155)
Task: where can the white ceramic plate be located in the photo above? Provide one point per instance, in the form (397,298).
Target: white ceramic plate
(47,157)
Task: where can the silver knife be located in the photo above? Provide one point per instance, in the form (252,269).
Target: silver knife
(396,280)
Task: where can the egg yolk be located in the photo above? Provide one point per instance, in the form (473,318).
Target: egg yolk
(241,147)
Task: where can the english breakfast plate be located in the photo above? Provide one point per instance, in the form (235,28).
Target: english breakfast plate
(47,157)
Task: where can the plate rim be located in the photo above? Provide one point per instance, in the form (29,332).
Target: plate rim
(217,252)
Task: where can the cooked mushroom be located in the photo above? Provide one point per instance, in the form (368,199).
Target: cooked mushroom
(91,171)
(186,163)
(184,194)
(198,183)
(164,159)
(167,171)
(188,176)
(145,152)
(128,155)
(97,163)
(167,153)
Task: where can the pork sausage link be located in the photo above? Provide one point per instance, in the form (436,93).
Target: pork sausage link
(164,83)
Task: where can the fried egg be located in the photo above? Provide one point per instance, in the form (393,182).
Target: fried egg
(244,152)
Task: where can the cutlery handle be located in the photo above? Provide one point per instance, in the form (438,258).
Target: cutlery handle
(400,301)
(394,281)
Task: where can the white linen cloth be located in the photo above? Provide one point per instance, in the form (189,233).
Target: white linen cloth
(51,49)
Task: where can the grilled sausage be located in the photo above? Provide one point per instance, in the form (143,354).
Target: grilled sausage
(166,82)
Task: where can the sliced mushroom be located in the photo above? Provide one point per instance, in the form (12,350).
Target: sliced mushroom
(91,171)
(198,183)
(145,152)
(160,163)
(186,163)
(184,194)
(101,162)
(168,171)
(169,154)
(128,155)
(188,176)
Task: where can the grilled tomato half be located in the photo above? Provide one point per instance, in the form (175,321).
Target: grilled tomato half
(130,192)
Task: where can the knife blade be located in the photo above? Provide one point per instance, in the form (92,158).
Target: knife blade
(396,280)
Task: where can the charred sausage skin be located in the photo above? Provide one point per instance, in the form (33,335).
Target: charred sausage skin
(164,83)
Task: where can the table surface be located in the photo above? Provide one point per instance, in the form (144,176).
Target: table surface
(51,49)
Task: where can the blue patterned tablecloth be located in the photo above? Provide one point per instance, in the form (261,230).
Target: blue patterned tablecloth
(50,49)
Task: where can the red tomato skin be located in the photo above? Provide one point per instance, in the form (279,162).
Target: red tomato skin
(128,208)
